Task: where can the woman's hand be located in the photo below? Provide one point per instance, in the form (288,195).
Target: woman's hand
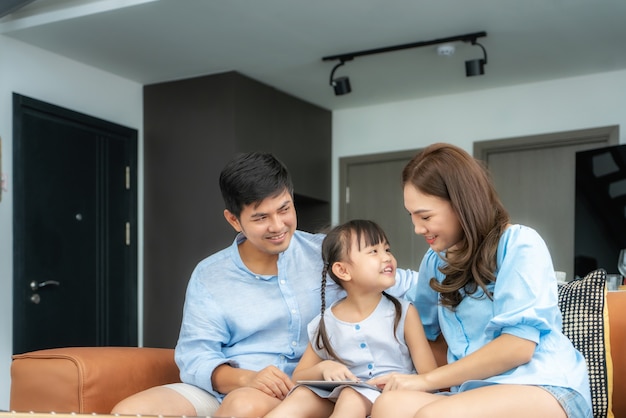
(335,371)
(397,381)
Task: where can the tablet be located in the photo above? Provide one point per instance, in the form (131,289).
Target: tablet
(331,384)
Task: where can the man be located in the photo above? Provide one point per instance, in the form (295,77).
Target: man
(247,306)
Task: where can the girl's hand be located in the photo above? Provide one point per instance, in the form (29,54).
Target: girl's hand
(335,371)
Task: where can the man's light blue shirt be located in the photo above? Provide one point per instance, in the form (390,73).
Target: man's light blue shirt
(234,316)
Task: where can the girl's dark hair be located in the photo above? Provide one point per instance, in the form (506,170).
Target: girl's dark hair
(335,248)
(450,173)
(250,178)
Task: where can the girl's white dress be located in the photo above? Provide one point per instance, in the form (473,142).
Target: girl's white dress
(368,348)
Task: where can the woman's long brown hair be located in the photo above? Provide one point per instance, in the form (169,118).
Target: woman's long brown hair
(448,172)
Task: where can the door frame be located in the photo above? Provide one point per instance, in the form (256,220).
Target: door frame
(603,136)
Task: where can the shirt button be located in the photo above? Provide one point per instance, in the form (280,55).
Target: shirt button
(294,343)
(357,327)
(370,366)
(282,282)
(363,345)
(293,311)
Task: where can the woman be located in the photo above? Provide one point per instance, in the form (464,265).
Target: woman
(489,288)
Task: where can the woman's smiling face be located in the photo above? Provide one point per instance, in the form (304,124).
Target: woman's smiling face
(434,218)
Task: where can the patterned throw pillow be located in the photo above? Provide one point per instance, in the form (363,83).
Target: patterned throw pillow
(586,324)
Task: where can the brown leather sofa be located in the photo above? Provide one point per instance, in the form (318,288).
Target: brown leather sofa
(93,379)
(86,380)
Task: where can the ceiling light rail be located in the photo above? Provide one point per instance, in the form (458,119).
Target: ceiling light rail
(474,67)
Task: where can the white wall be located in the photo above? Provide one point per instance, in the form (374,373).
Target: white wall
(531,109)
(38,74)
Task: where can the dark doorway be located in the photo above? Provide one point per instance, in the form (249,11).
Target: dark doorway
(75,229)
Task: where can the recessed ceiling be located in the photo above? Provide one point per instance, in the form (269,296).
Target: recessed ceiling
(282,42)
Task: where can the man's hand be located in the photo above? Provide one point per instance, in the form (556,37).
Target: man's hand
(271,381)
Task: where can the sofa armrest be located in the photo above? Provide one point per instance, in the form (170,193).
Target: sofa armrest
(617,323)
(86,379)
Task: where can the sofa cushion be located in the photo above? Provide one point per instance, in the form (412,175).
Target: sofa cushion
(585,323)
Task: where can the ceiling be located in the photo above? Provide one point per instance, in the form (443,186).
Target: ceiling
(282,42)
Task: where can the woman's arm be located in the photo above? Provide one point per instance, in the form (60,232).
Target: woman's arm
(500,355)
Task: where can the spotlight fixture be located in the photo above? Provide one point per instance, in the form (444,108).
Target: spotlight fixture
(476,66)
(341,85)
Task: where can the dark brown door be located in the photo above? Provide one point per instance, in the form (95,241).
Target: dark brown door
(75,251)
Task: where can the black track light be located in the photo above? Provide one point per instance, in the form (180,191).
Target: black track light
(476,66)
(341,85)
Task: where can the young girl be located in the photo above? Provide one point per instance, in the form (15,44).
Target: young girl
(489,288)
(366,334)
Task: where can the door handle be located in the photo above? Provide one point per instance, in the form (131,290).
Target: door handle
(34,285)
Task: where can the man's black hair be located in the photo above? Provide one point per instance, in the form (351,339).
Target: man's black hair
(252,177)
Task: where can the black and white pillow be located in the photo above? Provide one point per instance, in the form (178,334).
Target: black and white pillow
(585,322)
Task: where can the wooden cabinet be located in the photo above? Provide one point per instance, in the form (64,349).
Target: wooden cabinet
(192,128)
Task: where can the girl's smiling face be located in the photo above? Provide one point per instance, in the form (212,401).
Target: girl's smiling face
(434,218)
(372,266)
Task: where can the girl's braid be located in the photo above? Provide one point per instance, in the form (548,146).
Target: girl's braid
(321,341)
(323,288)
